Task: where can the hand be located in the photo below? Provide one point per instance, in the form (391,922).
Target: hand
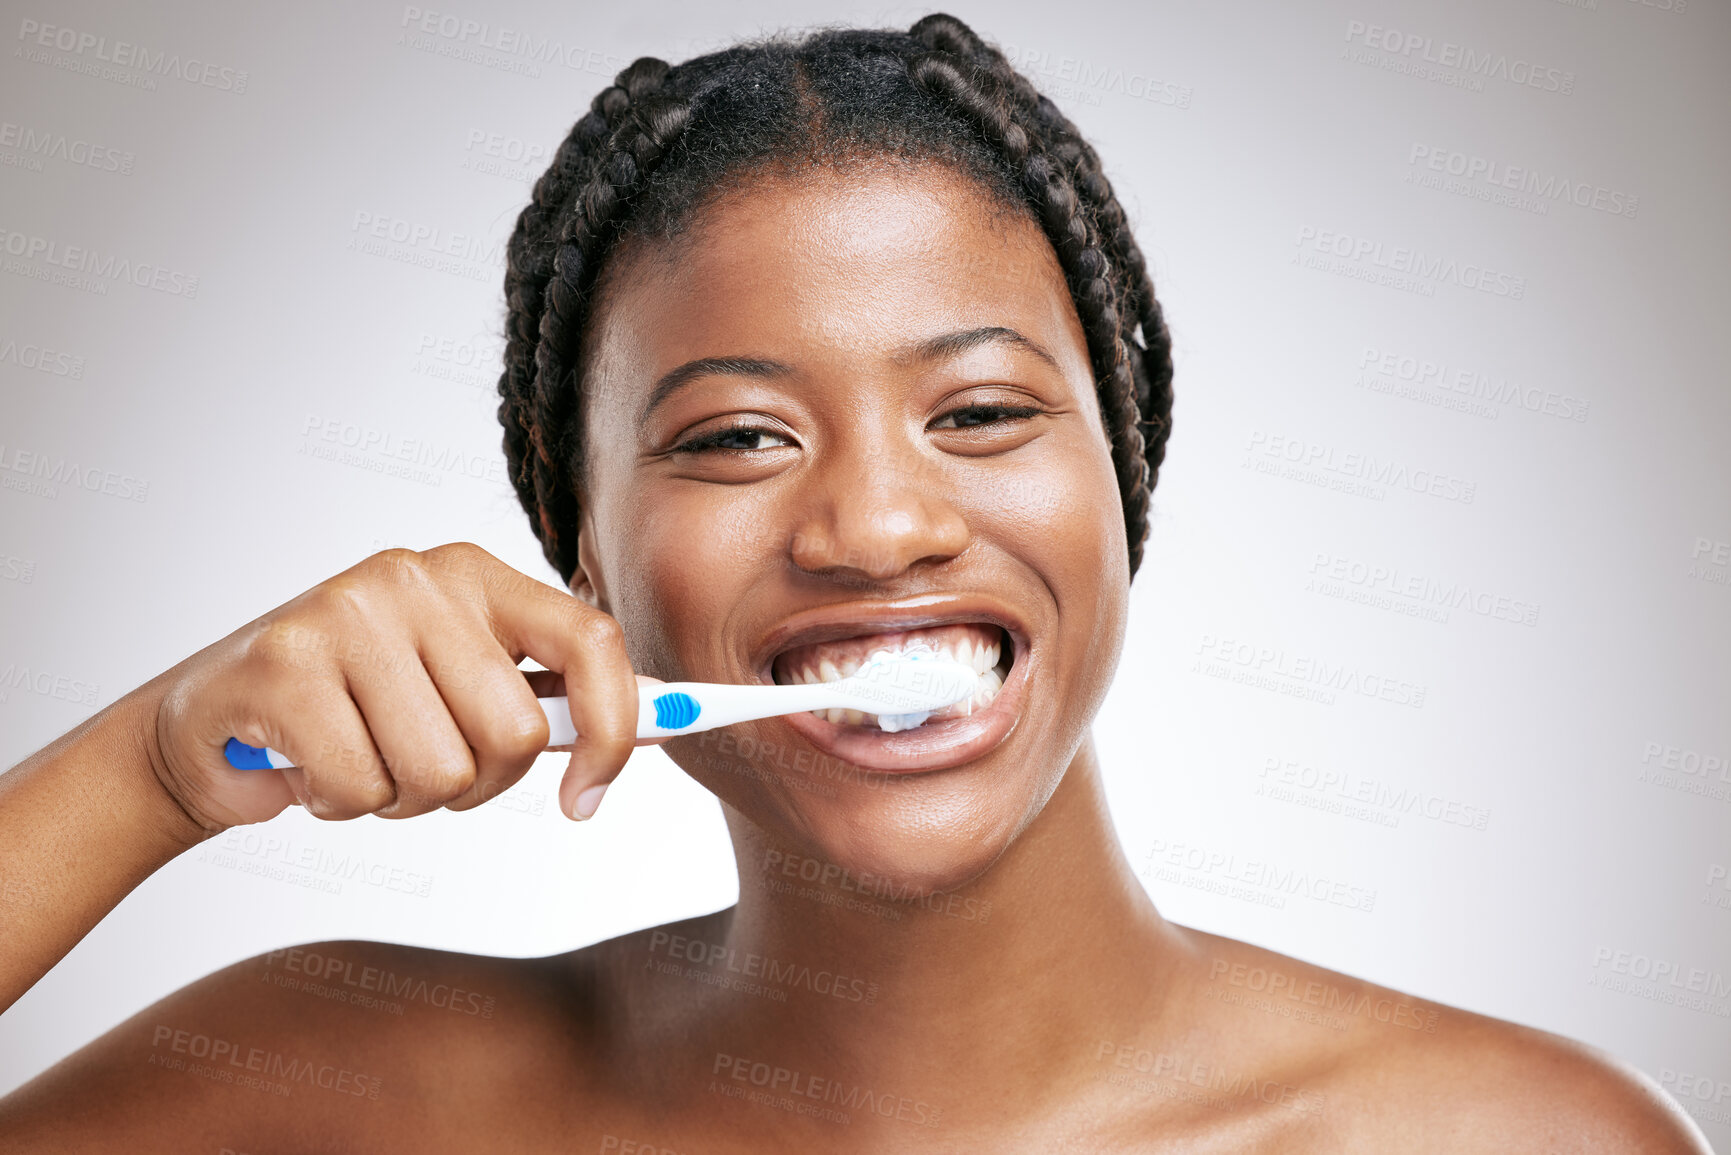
(394,688)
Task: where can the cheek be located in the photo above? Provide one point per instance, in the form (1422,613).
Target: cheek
(1061,512)
(1065,519)
(685,567)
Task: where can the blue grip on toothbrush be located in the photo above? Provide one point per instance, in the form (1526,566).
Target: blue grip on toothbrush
(244,757)
(676,711)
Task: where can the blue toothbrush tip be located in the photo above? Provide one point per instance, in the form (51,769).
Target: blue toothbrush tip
(676,711)
(244,757)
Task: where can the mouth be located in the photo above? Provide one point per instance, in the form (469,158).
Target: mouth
(981,646)
(830,647)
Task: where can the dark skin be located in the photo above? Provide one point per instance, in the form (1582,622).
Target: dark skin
(1071,1017)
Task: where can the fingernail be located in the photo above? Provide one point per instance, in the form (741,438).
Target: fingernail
(588,800)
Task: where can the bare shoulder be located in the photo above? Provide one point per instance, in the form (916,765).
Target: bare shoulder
(359,1045)
(362,1043)
(1562,1093)
(1388,1070)
(1491,1082)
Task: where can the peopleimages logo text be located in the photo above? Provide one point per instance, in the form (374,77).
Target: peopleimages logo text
(1090,78)
(1545,186)
(91,263)
(386,447)
(1412,263)
(1459,57)
(480,34)
(123,54)
(58,471)
(40,143)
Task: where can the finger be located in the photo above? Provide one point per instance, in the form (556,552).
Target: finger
(551,684)
(602,699)
(534,620)
(423,750)
(316,723)
(493,705)
(195,757)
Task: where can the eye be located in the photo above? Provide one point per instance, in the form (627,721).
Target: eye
(734,438)
(969,416)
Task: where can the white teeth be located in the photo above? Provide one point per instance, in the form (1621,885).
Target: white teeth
(978,655)
(980,659)
(990,683)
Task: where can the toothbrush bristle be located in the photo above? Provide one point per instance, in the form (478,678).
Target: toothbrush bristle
(940,682)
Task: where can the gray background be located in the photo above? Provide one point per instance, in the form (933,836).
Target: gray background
(1541,828)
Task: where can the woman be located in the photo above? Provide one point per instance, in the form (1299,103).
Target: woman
(814,349)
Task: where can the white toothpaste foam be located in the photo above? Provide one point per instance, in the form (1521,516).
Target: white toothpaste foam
(884,659)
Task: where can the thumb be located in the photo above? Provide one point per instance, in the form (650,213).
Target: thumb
(582,803)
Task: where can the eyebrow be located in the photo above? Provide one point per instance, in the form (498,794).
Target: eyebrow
(939,348)
(674,379)
(955,344)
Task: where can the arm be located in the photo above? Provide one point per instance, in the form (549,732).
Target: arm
(91,799)
(395,688)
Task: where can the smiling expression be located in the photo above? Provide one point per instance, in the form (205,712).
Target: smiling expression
(852,404)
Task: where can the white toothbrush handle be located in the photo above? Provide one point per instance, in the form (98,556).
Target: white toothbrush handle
(715,704)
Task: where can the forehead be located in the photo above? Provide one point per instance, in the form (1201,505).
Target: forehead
(835,262)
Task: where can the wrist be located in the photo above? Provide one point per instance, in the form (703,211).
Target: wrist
(143,776)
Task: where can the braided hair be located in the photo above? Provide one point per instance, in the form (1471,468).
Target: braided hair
(663,139)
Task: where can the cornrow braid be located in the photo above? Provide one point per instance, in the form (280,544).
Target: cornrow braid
(661,140)
(556,249)
(1061,177)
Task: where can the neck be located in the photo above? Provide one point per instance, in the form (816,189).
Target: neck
(1025,971)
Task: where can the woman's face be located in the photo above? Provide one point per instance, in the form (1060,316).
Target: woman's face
(846,413)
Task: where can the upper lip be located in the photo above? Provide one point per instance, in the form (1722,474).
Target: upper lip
(851,619)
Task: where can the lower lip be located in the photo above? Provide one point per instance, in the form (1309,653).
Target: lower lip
(933,746)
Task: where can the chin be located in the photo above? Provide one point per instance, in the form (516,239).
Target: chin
(896,836)
(940,848)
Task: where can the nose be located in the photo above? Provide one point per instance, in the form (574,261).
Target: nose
(872,515)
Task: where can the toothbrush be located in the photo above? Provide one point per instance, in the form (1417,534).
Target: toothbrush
(903,689)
